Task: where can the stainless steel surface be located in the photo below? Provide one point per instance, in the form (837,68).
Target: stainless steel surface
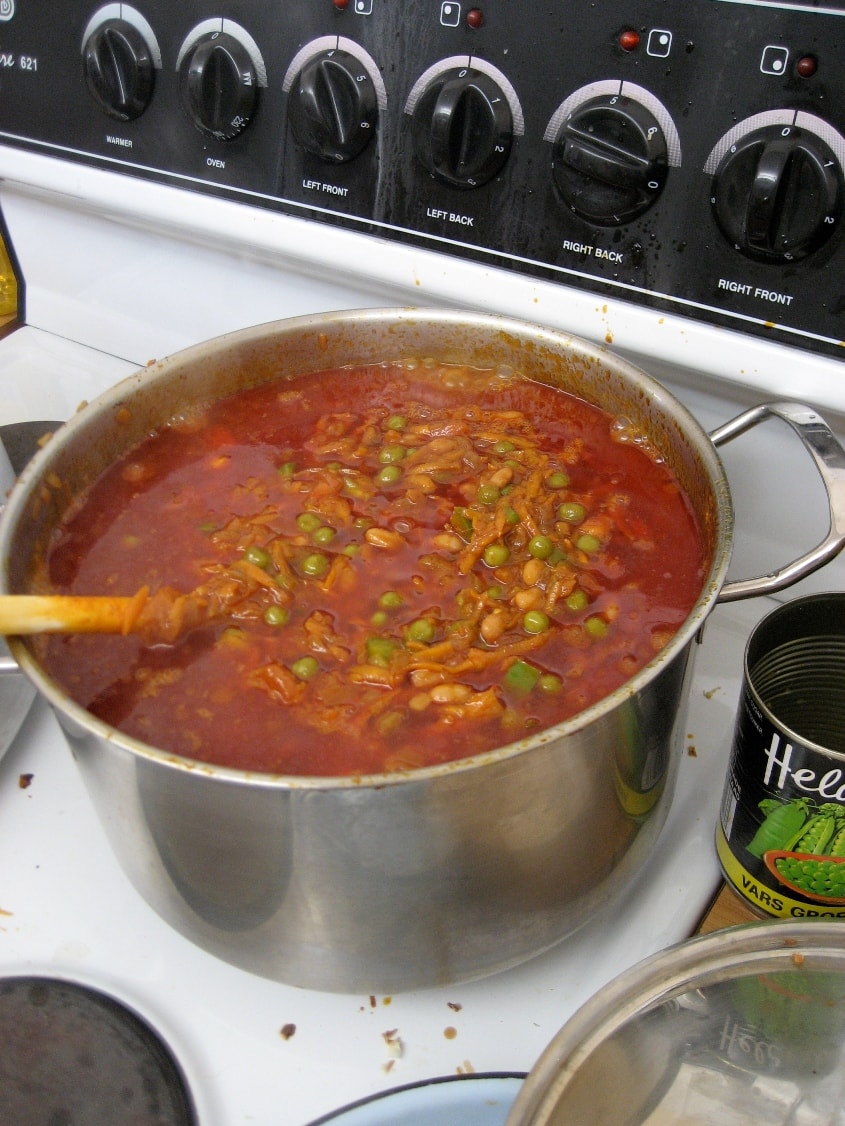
(741,1027)
(16,693)
(400,880)
(829,459)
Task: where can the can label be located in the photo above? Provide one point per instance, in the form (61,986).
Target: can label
(781,833)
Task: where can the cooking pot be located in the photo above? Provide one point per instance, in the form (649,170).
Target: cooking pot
(16,693)
(419,878)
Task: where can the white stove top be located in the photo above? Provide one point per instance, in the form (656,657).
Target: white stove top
(65,906)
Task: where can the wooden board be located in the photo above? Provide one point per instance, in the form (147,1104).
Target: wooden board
(726,910)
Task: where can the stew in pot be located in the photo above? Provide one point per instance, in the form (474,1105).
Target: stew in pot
(392,567)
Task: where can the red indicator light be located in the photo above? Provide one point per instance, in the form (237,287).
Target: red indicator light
(629,40)
(475,18)
(807,66)
(341,4)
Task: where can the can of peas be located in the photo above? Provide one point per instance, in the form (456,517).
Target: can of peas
(781,832)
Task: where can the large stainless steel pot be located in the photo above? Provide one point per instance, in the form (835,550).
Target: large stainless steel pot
(397,881)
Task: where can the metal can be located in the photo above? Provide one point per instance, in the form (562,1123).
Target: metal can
(781,833)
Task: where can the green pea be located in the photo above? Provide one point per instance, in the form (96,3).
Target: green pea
(572,512)
(397,422)
(388,455)
(421,630)
(535,621)
(578,600)
(558,480)
(521,677)
(549,683)
(504,447)
(496,591)
(389,475)
(496,555)
(391,600)
(511,516)
(380,650)
(587,543)
(305,668)
(315,565)
(540,547)
(379,619)
(276,616)
(595,627)
(351,550)
(287,469)
(308,522)
(257,556)
(487,494)
(324,535)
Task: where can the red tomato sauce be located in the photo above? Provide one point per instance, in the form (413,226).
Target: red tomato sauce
(392,568)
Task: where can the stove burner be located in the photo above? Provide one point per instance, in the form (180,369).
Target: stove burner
(70,1055)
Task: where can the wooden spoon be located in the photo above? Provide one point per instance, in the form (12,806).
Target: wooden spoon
(163,615)
(58,613)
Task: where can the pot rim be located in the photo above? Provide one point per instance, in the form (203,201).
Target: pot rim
(372,319)
(695,963)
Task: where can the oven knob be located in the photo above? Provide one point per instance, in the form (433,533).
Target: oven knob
(333,107)
(778,193)
(463,128)
(610,159)
(119,69)
(219,85)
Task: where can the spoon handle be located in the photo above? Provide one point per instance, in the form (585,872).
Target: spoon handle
(58,613)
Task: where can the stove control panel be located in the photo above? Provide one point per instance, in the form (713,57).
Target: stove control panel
(689,157)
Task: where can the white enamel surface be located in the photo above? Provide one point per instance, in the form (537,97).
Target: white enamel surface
(119,273)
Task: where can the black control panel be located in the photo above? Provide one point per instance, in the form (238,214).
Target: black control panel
(686,155)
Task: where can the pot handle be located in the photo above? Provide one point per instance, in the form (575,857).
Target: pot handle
(829,459)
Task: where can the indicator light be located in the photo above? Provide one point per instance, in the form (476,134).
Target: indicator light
(807,66)
(629,39)
(341,4)
(475,18)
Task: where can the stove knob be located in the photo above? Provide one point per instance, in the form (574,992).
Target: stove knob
(119,69)
(610,159)
(463,128)
(333,107)
(778,193)
(219,85)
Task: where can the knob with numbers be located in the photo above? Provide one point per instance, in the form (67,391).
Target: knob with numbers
(610,159)
(333,107)
(778,193)
(463,128)
(119,69)
(218,84)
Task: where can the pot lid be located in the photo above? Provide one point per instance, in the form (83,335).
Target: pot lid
(735,1028)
